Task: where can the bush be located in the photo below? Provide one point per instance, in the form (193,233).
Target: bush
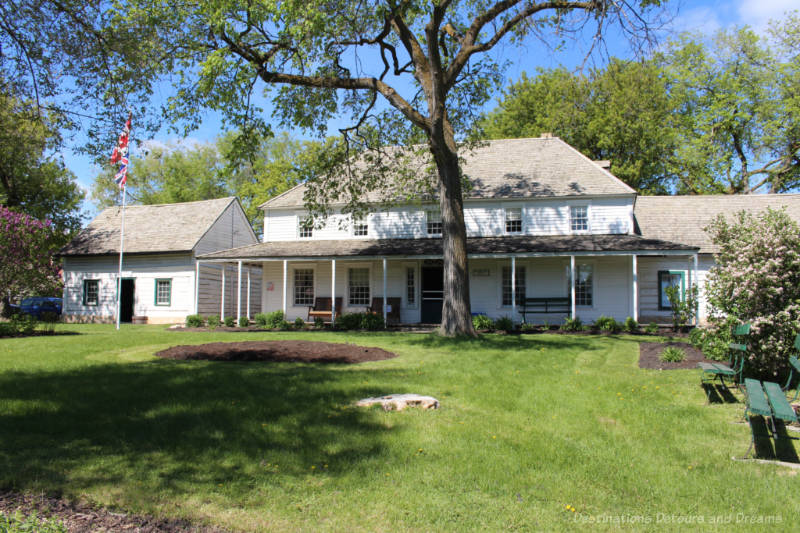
(260,319)
(368,321)
(482,322)
(631,325)
(652,328)
(608,324)
(697,338)
(504,323)
(19,523)
(273,320)
(299,323)
(213,322)
(527,326)
(48,322)
(672,354)
(7,330)
(194,321)
(230,321)
(23,324)
(572,324)
(683,309)
(318,322)
(244,322)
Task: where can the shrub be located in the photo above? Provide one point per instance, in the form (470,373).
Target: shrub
(260,319)
(368,321)
(527,326)
(651,328)
(194,321)
(504,323)
(48,322)
(756,280)
(7,330)
(19,523)
(631,325)
(273,320)
(697,338)
(318,322)
(213,322)
(230,321)
(244,322)
(572,324)
(23,324)
(299,323)
(607,323)
(672,354)
(482,322)
(683,309)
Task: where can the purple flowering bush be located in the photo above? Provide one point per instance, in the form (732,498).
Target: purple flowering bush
(26,252)
(757,280)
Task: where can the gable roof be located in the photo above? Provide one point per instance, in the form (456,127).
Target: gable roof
(683,218)
(149,228)
(538,167)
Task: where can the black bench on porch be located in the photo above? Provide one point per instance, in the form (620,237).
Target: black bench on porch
(540,306)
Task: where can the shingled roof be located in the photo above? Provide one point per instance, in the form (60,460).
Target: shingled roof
(148,228)
(507,168)
(550,244)
(682,218)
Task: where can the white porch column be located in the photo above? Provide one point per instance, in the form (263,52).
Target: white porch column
(333,293)
(694,281)
(285,267)
(248,293)
(572,285)
(384,292)
(196,287)
(513,286)
(635,270)
(239,293)
(222,300)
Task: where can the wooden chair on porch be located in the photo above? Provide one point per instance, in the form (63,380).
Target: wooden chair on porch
(392,314)
(322,309)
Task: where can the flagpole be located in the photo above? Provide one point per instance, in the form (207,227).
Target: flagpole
(121,246)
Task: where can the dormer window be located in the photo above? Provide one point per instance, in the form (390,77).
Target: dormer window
(360,227)
(579,218)
(433,222)
(305,228)
(514,220)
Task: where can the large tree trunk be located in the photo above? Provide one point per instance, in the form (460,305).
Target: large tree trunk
(456,315)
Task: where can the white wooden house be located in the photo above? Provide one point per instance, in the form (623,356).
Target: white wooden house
(161,279)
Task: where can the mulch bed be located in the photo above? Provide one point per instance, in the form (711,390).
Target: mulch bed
(81,517)
(649,353)
(277,351)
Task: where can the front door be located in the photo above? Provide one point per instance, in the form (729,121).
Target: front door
(126,300)
(432,294)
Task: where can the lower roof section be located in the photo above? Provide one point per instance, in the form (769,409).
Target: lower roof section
(522,245)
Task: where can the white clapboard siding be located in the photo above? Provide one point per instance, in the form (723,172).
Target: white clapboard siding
(649,268)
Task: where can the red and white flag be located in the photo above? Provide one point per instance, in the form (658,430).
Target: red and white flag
(120,154)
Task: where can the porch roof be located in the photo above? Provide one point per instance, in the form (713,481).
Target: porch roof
(432,247)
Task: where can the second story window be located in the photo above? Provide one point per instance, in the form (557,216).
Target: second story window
(360,227)
(305,228)
(514,220)
(579,218)
(433,221)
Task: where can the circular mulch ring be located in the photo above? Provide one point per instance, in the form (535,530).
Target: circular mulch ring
(649,353)
(277,351)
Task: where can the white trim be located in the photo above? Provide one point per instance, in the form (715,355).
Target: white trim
(299,216)
(365,220)
(518,206)
(635,283)
(346,298)
(304,266)
(415,267)
(588,206)
(593,264)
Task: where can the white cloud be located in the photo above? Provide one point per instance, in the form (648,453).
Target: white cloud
(758,13)
(703,19)
(174,143)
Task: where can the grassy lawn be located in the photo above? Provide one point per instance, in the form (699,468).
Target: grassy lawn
(528,426)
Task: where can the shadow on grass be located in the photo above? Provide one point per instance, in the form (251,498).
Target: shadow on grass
(766,447)
(718,394)
(501,342)
(167,424)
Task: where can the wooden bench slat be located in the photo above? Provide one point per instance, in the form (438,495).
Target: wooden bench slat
(756,400)
(777,400)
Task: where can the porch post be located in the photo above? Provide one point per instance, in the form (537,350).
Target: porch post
(196,287)
(284,287)
(222,300)
(694,282)
(248,292)
(239,293)
(333,293)
(384,292)
(572,286)
(513,286)
(635,270)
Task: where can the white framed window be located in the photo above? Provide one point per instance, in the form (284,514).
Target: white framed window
(163,292)
(584,284)
(358,286)
(519,285)
(91,291)
(360,227)
(670,278)
(433,222)
(305,227)
(303,286)
(411,286)
(579,218)
(513,220)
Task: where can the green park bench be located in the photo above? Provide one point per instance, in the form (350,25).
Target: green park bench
(713,371)
(794,365)
(766,399)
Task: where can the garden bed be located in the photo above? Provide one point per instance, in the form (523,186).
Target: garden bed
(278,351)
(649,353)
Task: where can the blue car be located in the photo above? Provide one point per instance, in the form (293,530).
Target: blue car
(36,305)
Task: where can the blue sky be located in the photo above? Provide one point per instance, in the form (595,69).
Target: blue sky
(705,16)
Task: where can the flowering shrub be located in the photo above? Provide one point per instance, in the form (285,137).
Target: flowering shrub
(757,280)
(26,248)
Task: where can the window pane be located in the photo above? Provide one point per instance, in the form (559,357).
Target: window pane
(163,291)
(411,286)
(513,220)
(579,218)
(91,291)
(519,283)
(583,285)
(305,228)
(358,286)
(668,279)
(434,222)
(304,286)
(360,228)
